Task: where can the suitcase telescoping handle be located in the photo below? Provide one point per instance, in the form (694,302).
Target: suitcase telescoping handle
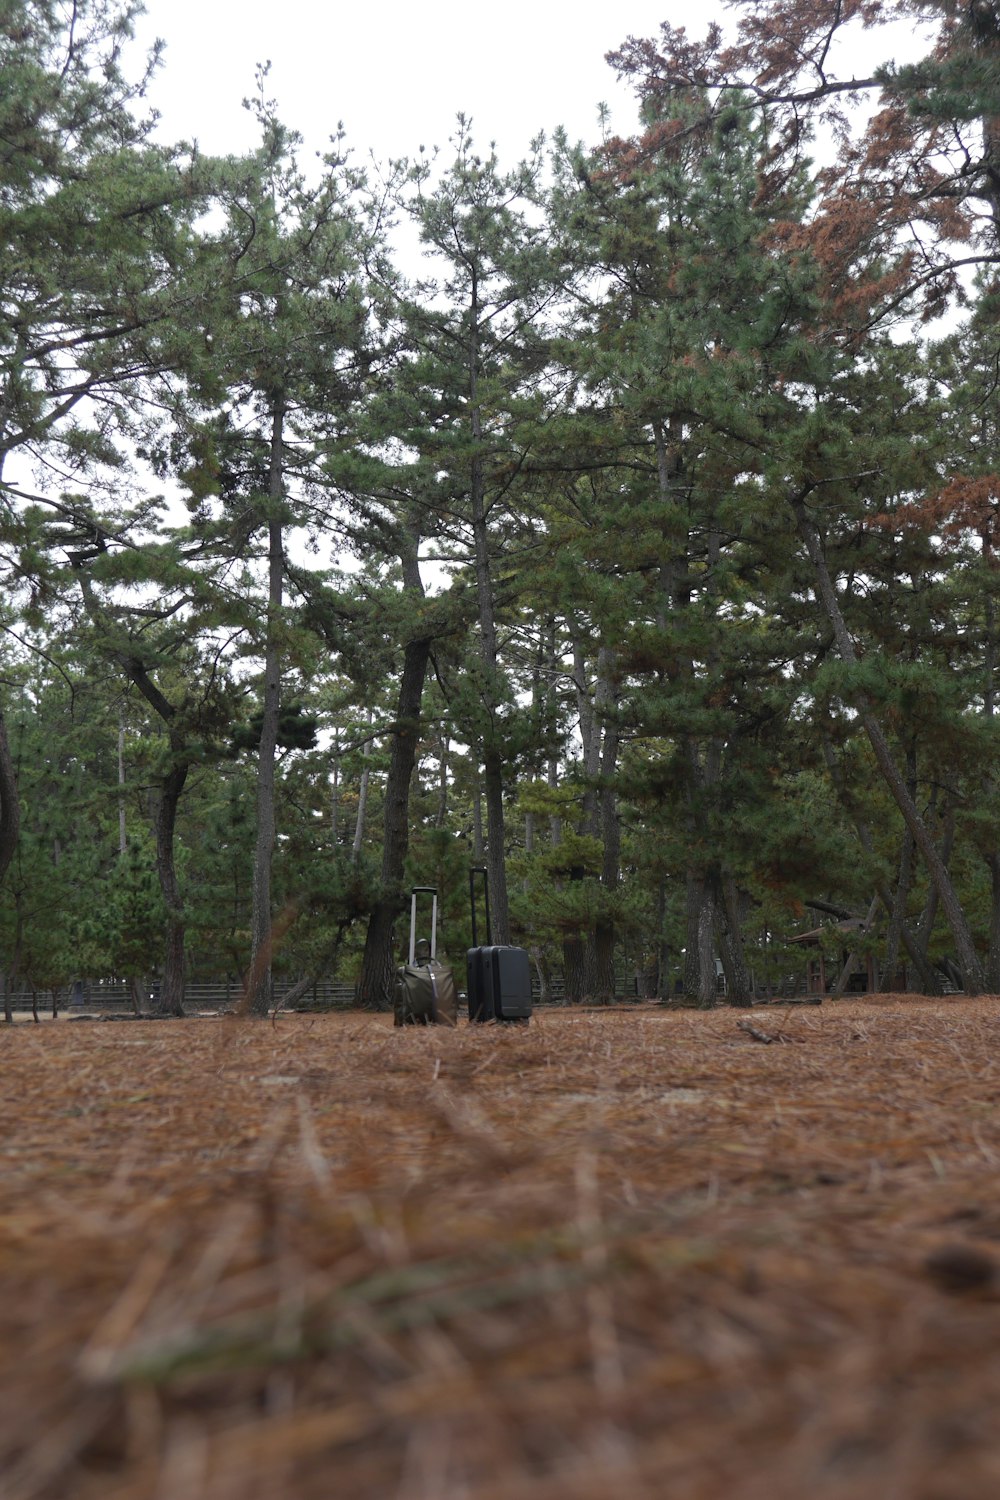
(474,871)
(423,890)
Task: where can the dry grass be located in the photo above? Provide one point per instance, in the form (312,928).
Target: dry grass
(631,1255)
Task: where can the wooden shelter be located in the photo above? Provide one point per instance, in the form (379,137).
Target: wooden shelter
(832,949)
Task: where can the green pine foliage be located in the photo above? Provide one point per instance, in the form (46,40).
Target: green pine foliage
(689,536)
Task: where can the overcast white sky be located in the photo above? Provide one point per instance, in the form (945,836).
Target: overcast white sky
(398,73)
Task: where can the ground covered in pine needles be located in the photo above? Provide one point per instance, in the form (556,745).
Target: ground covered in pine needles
(631,1254)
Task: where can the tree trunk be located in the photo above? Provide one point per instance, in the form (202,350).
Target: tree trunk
(555,821)
(708,986)
(656,973)
(478,841)
(326,960)
(851,959)
(574,968)
(610,827)
(599,814)
(897,912)
(970,965)
(699,957)
(604,928)
(732,911)
(377,965)
(122,833)
(993,963)
(493,769)
(335,791)
(578,949)
(989,710)
(541,965)
(496,860)
(169,1000)
(357,844)
(260,980)
(10,813)
(441,817)
(604,960)
(915,941)
(14,968)
(700,983)
(691,974)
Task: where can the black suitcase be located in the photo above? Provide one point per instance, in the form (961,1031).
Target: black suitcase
(425,992)
(498,976)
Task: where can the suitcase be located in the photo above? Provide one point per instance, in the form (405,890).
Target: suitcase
(498,976)
(425,993)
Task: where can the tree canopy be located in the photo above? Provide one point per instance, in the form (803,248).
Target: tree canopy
(638,541)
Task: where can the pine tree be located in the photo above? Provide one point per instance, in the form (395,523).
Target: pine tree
(479,344)
(833,397)
(667,355)
(287,334)
(94,223)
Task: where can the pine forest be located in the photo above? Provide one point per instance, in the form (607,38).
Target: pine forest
(635,538)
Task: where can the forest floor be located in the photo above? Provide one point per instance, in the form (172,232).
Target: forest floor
(649,1255)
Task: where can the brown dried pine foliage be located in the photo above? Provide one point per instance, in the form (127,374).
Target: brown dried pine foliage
(642,1254)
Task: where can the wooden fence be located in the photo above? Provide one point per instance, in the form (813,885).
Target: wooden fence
(114,996)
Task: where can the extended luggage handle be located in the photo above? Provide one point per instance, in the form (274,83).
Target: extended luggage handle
(473,872)
(423,890)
